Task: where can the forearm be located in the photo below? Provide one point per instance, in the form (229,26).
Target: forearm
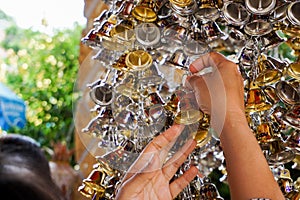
(249,175)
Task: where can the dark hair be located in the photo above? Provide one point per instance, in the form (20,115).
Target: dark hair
(24,170)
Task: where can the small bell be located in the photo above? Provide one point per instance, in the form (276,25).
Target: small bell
(258,27)
(287,93)
(211,31)
(256,100)
(208,10)
(266,73)
(292,116)
(293,13)
(293,141)
(278,154)
(144,11)
(209,191)
(235,14)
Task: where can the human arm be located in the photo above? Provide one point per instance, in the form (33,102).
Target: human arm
(221,95)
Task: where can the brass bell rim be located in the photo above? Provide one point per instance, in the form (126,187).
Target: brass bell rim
(94,186)
(293,70)
(140,13)
(180,117)
(258,107)
(181,3)
(268,77)
(138,60)
(281,158)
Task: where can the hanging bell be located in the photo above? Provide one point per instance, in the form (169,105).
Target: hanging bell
(208,10)
(178,60)
(292,117)
(201,135)
(264,133)
(293,69)
(293,13)
(95,180)
(287,93)
(293,141)
(183,7)
(235,14)
(144,11)
(211,31)
(147,34)
(86,191)
(258,27)
(189,112)
(266,73)
(102,94)
(271,40)
(138,60)
(256,100)
(278,154)
(209,191)
(91,39)
(270,93)
(285,182)
(260,7)
(278,17)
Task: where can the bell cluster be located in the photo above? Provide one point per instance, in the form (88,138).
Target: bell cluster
(145,48)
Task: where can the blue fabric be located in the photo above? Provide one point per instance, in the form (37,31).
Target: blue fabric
(12,109)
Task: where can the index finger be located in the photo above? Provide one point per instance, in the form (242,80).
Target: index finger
(164,140)
(211,59)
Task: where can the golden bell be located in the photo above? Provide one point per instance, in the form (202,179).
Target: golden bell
(86,191)
(183,7)
(271,40)
(266,73)
(264,133)
(278,154)
(102,94)
(138,60)
(201,135)
(95,180)
(144,11)
(181,3)
(256,100)
(293,70)
(209,191)
(292,117)
(287,93)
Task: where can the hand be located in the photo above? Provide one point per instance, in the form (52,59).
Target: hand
(219,93)
(149,177)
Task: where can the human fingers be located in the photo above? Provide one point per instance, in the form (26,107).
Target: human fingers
(180,183)
(164,140)
(176,161)
(211,59)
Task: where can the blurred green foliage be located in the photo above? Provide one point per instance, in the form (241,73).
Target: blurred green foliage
(42,70)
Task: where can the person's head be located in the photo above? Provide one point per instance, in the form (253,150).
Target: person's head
(24,170)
